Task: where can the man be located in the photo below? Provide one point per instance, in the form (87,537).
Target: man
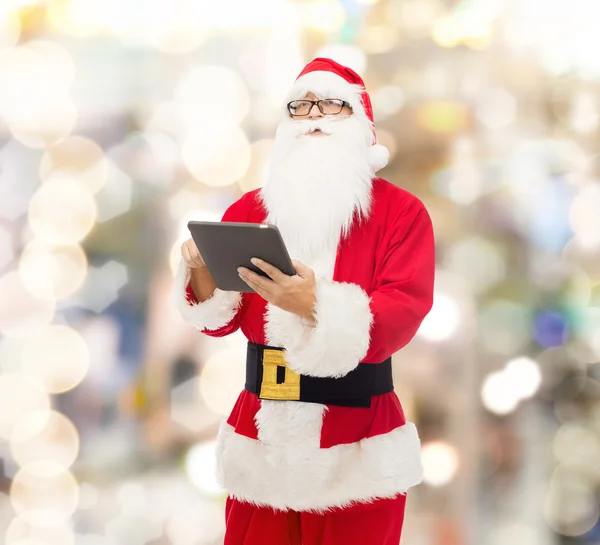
(317,449)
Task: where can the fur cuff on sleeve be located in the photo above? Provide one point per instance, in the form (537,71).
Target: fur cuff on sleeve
(341,337)
(214,313)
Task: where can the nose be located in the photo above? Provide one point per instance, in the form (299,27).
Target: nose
(314,112)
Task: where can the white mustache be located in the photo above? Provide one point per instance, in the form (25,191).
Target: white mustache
(301,128)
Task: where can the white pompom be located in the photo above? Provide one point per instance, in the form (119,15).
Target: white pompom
(378,157)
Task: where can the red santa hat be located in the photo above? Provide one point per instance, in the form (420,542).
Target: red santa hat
(329,79)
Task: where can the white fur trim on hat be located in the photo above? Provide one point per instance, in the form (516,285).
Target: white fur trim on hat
(330,85)
(378,157)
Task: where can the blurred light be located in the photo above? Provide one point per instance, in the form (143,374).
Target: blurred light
(45,126)
(478,262)
(160,26)
(201,467)
(577,447)
(78,18)
(18,179)
(209,96)
(413,15)
(34,95)
(61,211)
(20,312)
(102,286)
(440,462)
(44,493)
(114,199)
(151,157)
(10,355)
(444,32)
(515,533)
(584,113)
(443,320)
(571,509)
(40,436)
(88,496)
(388,140)
(80,157)
(469,25)
(550,329)
(584,217)
(137,529)
(6,247)
(442,117)
(497,109)
(218,156)
(197,523)
(10,28)
(19,395)
(183,202)
(257,173)
(525,376)
(323,15)
(579,286)
(463,180)
(188,409)
(387,100)
(20,529)
(171,27)
(499,394)
(589,331)
(378,39)
(347,55)
(221,380)
(57,358)
(133,498)
(64,269)
(266,114)
(36,71)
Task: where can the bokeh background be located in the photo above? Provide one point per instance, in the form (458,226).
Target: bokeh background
(120,120)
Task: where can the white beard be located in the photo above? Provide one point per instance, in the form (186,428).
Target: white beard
(318,185)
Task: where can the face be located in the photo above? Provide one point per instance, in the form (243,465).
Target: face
(315,113)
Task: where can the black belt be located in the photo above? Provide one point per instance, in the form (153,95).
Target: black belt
(268,377)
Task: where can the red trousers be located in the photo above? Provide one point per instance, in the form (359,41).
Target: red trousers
(377,523)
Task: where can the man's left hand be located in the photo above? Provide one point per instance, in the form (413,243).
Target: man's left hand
(292,293)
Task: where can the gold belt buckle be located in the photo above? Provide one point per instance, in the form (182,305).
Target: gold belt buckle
(269,389)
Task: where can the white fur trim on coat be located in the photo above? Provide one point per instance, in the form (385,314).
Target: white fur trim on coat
(338,342)
(329,85)
(300,475)
(214,313)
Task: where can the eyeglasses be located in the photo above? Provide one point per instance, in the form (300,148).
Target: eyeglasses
(328,106)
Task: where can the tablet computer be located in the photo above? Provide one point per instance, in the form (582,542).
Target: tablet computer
(225,246)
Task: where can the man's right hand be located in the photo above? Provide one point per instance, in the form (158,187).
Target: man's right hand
(203,284)
(191,255)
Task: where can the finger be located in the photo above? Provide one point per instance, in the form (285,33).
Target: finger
(271,270)
(265,284)
(256,288)
(185,253)
(195,253)
(301,269)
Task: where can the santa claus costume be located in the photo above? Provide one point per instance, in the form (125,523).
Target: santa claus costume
(317,449)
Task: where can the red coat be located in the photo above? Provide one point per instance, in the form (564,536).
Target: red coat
(304,456)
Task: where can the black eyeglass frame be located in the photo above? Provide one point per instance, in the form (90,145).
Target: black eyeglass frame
(318,103)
